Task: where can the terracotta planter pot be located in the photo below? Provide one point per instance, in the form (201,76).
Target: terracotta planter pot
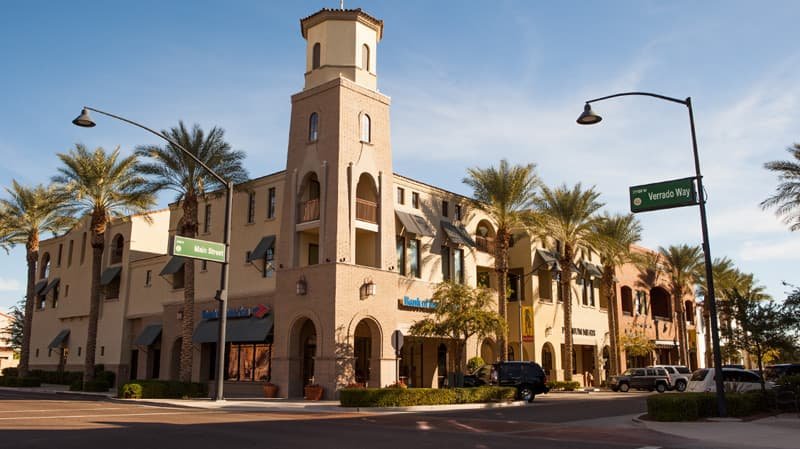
(270,390)
(313,392)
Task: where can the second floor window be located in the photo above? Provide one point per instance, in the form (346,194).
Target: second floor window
(401,255)
(366,128)
(207,219)
(415,200)
(445,207)
(315,56)
(271,202)
(413,258)
(148,278)
(251,207)
(313,127)
(458,266)
(69,252)
(457,214)
(401,195)
(445,263)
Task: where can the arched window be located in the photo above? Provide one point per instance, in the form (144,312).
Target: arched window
(315,56)
(117,246)
(365,57)
(366,131)
(313,127)
(689,305)
(44,271)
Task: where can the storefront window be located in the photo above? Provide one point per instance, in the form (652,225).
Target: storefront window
(248,362)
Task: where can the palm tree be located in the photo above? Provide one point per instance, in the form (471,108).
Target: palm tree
(171,168)
(724,274)
(568,216)
(26,214)
(506,194)
(614,235)
(682,263)
(103,186)
(787,195)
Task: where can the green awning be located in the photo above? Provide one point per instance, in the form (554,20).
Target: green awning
(260,252)
(148,336)
(415,224)
(37,289)
(109,275)
(457,234)
(59,340)
(592,270)
(236,330)
(53,284)
(173,266)
(548,259)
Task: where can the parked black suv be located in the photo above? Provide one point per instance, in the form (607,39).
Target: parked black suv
(527,377)
(641,379)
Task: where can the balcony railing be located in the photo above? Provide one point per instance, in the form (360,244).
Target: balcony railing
(308,211)
(484,244)
(366,210)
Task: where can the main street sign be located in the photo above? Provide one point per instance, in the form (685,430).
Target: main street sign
(198,249)
(663,195)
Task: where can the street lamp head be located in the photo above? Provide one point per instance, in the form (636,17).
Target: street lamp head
(588,117)
(84,120)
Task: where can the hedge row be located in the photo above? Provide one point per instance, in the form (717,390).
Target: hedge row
(172,389)
(563,385)
(694,406)
(405,397)
(70,378)
(14,381)
(98,385)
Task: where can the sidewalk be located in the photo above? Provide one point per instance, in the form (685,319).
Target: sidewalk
(779,432)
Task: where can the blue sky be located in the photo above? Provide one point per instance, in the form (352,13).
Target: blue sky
(471,82)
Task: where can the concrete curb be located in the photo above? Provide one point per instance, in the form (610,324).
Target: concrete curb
(40,390)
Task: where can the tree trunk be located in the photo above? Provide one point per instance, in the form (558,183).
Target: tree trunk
(189,229)
(32,255)
(707,336)
(680,316)
(613,332)
(566,297)
(501,268)
(98,245)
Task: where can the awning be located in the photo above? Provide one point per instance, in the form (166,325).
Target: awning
(260,252)
(549,259)
(53,284)
(37,289)
(592,269)
(666,344)
(236,330)
(457,235)
(59,340)
(415,224)
(173,266)
(148,336)
(109,275)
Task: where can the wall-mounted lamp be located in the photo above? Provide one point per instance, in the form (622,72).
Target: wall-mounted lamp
(368,289)
(301,286)
(179,315)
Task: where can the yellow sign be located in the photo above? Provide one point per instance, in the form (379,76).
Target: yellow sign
(527,323)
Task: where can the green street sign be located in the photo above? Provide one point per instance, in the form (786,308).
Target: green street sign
(198,249)
(663,195)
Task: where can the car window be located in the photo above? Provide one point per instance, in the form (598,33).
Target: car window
(731,376)
(628,372)
(670,369)
(651,372)
(747,376)
(661,372)
(513,371)
(684,370)
(530,371)
(699,375)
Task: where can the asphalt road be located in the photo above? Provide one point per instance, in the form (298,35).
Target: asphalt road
(553,421)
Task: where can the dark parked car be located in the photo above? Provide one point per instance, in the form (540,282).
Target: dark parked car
(641,379)
(774,372)
(527,377)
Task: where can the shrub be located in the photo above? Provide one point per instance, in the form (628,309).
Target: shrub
(11,371)
(171,389)
(790,383)
(8,381)
(475,363)
(57,377)
(694,406)
(563,385)
(399,397)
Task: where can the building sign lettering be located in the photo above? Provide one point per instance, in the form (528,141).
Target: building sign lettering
(581,331)
(259,311)
(417,303)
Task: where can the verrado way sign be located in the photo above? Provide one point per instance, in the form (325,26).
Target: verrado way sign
(663,195)
(198,249)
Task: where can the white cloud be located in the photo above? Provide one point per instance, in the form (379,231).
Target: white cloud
(10,285)
(772,251)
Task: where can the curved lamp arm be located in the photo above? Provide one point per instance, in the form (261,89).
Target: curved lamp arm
(645,94)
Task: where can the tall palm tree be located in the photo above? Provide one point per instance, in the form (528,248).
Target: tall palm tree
(506,194)
(170,168)
(725,274)
(568,216)
(786,199)
(27,213)
(682,262)
(614,235)
(102,185)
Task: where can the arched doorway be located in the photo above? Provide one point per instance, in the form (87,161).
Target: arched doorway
(303,347)
(367,354)
(487,351)
(441,365)
(547,360)
(175,359)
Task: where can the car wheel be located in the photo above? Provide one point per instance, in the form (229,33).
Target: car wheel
(680,386)
(525,394)
(661,388)
(624,388)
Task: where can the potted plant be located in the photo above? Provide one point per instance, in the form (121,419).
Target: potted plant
(312,391)
(270,389)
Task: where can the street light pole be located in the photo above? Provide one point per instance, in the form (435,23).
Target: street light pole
(84,120)
(588,117)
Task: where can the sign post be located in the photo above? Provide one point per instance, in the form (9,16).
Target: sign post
(663,195)
(198,249)
(397,344)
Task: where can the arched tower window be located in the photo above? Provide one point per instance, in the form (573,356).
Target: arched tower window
(315,56)
(117,245)
(366,128)
(313,127)
(44,271)
(365,57)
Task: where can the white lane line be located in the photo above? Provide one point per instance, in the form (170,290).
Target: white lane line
(100,416)
(464,426)
(423,425)
(650,447)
